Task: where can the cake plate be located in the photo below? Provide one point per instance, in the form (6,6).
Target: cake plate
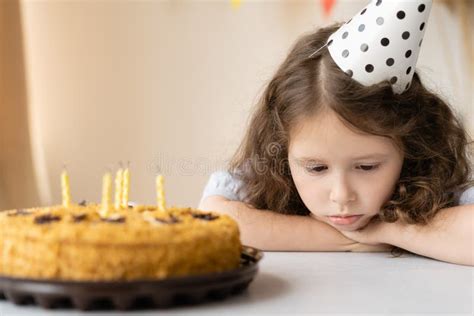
(137,294)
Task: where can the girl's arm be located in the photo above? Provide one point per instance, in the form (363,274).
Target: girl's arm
(272,231)
(449,237)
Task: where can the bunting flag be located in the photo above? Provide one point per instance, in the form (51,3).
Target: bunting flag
(328,6)
(235,4)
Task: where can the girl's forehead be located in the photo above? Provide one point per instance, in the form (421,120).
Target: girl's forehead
(325,134)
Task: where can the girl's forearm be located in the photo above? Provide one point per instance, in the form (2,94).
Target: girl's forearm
(272,231)
(449,237)
(278,232)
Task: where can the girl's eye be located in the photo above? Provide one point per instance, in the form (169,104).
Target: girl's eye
(368,167)
(318,169)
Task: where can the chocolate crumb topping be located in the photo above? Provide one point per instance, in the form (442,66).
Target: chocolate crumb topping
(19,212)
(171,220)
(205,217)
(47,218)
(116,220)
(79,218)
(83,203)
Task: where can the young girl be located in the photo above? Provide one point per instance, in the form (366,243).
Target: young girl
(331,164)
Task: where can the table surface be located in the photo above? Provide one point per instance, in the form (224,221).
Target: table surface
(333,282)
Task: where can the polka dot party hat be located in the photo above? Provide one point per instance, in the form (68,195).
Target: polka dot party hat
(382,42)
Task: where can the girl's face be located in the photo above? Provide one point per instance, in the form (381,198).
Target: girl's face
(339,172)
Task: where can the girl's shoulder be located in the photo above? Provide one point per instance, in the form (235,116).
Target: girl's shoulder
(466,197)
(226,184)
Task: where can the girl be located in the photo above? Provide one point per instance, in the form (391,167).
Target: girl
(331,164)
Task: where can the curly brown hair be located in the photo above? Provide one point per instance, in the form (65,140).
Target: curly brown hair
(436,147)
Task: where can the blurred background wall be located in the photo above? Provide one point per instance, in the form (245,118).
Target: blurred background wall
(165,85)
(18,183)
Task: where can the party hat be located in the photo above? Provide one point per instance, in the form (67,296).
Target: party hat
(382,42)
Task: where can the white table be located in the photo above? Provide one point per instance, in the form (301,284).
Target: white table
(346,283)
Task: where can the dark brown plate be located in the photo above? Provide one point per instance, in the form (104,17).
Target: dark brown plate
(140,294)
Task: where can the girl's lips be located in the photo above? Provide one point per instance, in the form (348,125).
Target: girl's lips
(346,220)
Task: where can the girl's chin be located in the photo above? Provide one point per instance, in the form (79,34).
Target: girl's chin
(346,229)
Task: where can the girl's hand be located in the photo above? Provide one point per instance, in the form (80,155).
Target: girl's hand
(358,247)
(372,234)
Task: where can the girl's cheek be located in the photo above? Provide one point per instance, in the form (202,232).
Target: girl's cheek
(385,189)
(314,200)
(371,197)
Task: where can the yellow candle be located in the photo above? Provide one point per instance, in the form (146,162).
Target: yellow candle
(118,188)
(125,187)
(106,194)
(235,4)
(160,194)
(65,189)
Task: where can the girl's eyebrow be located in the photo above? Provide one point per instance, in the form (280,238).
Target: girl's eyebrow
(375,155)
(368,156)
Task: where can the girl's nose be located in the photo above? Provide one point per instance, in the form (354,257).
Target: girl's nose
(342,192)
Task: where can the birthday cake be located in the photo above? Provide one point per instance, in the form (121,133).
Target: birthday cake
(132,243)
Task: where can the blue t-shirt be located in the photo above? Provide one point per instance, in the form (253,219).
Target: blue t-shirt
(225,184)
